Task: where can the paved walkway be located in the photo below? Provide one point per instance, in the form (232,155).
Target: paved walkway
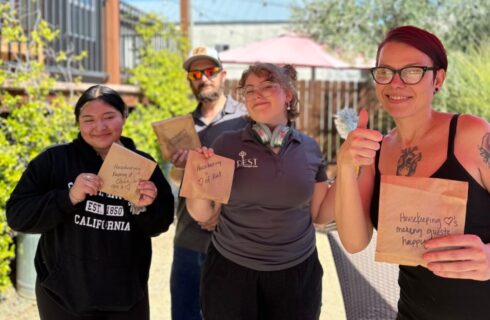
(16,308)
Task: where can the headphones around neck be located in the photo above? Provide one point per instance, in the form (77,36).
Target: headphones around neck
(274,139)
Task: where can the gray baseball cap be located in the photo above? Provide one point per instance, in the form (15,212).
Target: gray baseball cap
(202,53)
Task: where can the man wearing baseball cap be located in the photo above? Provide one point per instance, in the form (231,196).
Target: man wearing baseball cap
(214,114)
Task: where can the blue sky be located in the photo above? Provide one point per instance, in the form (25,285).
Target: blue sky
(221,10)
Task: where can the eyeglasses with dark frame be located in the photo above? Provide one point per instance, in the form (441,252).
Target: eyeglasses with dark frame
(408,75)
(208,72)
(265,89)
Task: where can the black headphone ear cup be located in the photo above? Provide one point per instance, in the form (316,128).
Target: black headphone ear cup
(262,133)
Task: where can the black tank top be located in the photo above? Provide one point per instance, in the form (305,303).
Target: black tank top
(424,296)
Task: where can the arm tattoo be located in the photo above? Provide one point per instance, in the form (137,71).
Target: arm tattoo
(407,163)
(485,148)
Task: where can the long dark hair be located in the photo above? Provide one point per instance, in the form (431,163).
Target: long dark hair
(103,93)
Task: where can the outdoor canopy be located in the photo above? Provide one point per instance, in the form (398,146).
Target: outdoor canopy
(299,51)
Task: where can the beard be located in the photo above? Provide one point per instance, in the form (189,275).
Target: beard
(212,94)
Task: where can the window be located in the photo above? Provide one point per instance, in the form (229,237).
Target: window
(81,19)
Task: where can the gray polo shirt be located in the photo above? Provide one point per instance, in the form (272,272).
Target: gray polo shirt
(188,233)
(267,224)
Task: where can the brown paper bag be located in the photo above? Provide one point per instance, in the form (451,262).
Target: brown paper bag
(122,170)
(176,133)
(207,178)
(415,209)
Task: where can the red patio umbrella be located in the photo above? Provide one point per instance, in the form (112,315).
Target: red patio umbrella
(297,50)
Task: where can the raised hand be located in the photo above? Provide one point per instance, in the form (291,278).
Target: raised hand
(205,151)
(359,149)
(85,184)
(179,158)
(148,192)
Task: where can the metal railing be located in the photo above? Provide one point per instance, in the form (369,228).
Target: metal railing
(80,26)
(131,42)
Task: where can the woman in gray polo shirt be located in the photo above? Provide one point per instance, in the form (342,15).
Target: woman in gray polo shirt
(262,263)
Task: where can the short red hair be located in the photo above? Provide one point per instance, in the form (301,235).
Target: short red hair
(421,40)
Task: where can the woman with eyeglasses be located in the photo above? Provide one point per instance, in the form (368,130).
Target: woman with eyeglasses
(411,66)
(263,263)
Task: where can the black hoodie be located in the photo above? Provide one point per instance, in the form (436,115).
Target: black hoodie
(94,256)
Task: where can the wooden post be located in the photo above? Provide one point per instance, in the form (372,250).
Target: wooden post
(111,41)
(186,19)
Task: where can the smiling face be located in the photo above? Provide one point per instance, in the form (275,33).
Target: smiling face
(100,125)
(271,109)
(401,100)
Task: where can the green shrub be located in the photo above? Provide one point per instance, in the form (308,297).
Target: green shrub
(31,123)
(162,80)
(30,127)
(467,87)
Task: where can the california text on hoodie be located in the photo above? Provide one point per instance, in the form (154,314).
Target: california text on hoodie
(94,256)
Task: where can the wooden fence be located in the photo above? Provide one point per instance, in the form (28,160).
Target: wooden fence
(321,100)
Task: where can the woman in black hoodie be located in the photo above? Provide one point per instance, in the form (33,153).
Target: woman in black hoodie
(94,255)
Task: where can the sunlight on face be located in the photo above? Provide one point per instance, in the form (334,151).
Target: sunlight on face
(207,88)
(269,108)
(400,99)
(100,125)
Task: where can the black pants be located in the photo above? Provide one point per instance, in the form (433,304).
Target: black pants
(51,310)
(232,292)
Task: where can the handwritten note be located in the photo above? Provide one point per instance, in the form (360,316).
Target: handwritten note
(122,170)
(124,176)
(414,209)
(176,133)
(208,178)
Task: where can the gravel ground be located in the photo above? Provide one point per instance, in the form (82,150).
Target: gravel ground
(13,307)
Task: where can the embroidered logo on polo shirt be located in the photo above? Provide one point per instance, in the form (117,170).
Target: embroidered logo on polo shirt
(246,163)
